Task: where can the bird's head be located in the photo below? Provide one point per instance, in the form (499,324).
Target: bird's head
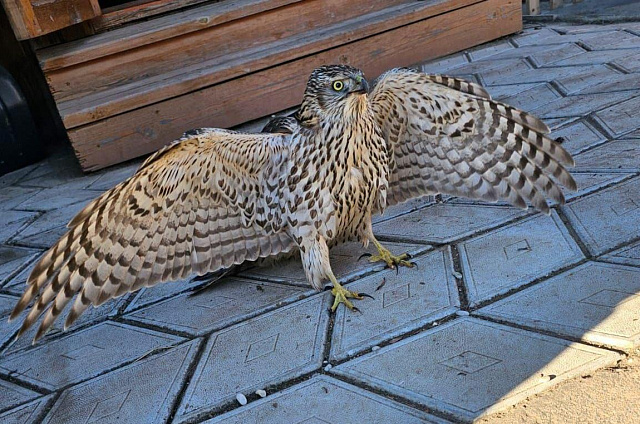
(331,89)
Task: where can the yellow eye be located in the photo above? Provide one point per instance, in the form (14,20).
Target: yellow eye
(338,85)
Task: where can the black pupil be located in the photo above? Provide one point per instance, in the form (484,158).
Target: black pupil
(337,85)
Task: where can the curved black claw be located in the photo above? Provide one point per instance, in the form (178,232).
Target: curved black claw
(366,295)
(414,264)
(364,255)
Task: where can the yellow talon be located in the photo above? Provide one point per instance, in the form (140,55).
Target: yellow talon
(342,295)
(384,255)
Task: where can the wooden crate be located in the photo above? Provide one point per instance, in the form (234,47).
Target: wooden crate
(126,92)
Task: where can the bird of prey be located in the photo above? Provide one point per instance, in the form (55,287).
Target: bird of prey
(216,198)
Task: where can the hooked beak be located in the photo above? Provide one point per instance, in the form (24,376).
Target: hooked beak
(362,86)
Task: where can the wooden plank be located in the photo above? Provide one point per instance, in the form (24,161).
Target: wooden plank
(33,18)
(260,93)
(533,7)
(152,31)
(125,97)
(131,70)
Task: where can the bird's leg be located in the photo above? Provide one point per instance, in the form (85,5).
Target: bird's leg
(389,258)
(342,295)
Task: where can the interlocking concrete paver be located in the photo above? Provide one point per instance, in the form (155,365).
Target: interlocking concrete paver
(611,40)
(27,413)
(615,83)
(501,92)
(596,57)
(622,117)
(469,368)
(49,227)
(534,97)
(12,221)
(578,136)
(608,218)
(12,196)
(515,255)
(83,354)
(487,67)
(404,301)
(7,330)
(12,258)
(404,207)
(444,65)
(344,263)
(13,395)
(613,156)
(229,302)
(586,78)
(271,348)
(154,294)
(628,255)
(491,50)
(540,55)
(15,176)
(444,223)
(56,198)
(594,302)
(142,392)
(110,178)
(631,62)
(579,105)
(325,400)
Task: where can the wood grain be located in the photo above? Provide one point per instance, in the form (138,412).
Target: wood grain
(260,93)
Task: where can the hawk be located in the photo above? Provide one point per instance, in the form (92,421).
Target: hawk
(217,198)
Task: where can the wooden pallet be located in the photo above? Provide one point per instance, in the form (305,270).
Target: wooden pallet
(128,91)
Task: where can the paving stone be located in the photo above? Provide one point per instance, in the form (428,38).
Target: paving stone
(595,302)
(266,350)
(325,400)
(7,329)
(154,294)
(12,221)
(113,176)
(83,354)
(470,368)
(582,28)
(501,92)
(508,73)
(229,302)
(512,256)
(344,263)
(578,136)
(91,315)
(489,67)
(142,392)
(541,36)
(586,78)
(617,82)
(408,300)
(532,98)
(628,255)
(56,198)
(27,413)
(491,50)
(443,65)
(405,207)
(541,55)
(613,156)
(12,196)
(12,258)
(611,40)
(630,62)
(541,75)
(443,223)
(608,218)
(596,57)
(579,105)
(13,395)
(49,227)
(17,283)
(15,176)
(622,117)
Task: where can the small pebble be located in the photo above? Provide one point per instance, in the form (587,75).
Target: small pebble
(434,323)
(327,368)
(242,399)
(462,313)
(373,349)
(457,275)
(261,393)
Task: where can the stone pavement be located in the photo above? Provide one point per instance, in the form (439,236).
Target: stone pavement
(505,303)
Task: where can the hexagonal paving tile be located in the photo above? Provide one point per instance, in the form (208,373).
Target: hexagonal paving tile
(149,295)
(142,392)
(344,263)
(608,218)
(579,104)
(444,223)
(404,207)
(27,413)
(628,255)
(7,329)
(325,400)
(12,258)
(470,368)
(83,354)
(533,97)
(48,228)
(403,302)
(515,255)
(265,350)
(612,156)
(231,301)
(13,395)
(12,196)
(594,302)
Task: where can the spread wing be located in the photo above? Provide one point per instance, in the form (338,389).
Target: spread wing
(206,202)
(451,138)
